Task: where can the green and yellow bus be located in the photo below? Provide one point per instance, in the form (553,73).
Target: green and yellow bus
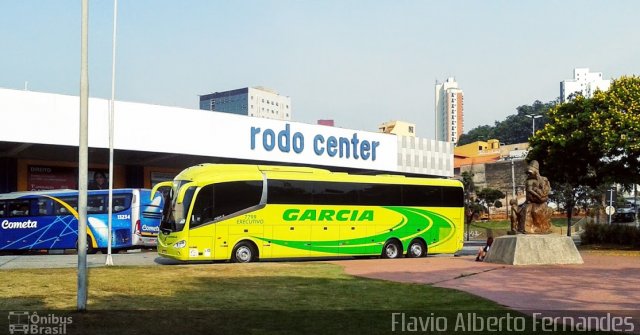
(244,213)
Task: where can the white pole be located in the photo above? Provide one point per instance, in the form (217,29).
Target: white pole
(533,124)
(513,179)
(83,160)
(610,202)
(635,201)
(109,260)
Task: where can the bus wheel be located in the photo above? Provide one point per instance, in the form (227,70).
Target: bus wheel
(244,252)
(392,249)
(90,249)
(416,249)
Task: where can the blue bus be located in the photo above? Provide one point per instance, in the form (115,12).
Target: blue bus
(46,220)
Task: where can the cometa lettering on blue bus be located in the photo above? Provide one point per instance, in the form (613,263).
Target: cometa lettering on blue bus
(151,228)
(327,215)
(342,147)
(6,224)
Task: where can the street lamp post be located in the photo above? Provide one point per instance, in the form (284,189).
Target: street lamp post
(533,122)
(513,179)
(109,260)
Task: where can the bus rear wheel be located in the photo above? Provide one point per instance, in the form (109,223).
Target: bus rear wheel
(244,252)
(392,249)
(416,249)
(90,249)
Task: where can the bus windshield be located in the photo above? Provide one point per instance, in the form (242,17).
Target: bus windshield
(175,215)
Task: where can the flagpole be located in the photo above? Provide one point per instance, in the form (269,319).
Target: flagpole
(109,260)
(83,161)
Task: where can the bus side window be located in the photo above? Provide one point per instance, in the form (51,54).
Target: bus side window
(19,207)
(96,204)
(121,202)
(60,209)
(45,206)
(233,197)
(2,208)
(203,207)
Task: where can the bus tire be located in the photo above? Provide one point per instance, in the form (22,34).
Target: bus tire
(416,249)
(392,249)
(244,252)
(90,249)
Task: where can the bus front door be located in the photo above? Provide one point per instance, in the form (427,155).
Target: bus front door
(200,242)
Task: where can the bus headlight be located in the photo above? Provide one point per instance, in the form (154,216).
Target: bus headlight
(180,244)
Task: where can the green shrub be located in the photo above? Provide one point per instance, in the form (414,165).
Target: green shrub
(610,234)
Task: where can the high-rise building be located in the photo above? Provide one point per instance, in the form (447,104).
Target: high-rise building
(449,111)
(251,101)
(584,82)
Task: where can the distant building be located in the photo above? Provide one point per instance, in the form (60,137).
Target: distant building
(494,165)
(251,101)
(449,111)
(584,82)
(398,128)
(326,123)
(476,152)
(488,152)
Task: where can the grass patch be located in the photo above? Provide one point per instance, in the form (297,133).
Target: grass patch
(260,286)
(261,298)
(610,250)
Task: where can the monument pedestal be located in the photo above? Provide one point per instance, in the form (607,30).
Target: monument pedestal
(533,250)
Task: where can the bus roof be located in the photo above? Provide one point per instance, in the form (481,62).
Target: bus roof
(60,192)
(210,172)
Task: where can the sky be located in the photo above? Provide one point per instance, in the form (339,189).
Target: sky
(359,62)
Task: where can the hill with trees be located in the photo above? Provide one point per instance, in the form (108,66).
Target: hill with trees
(515,128)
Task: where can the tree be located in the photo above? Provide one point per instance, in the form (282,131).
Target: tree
(514,129)
(616,119)
(592,142)
(469,189)
(489,196)
(467,182)
(567,155)
(481,133)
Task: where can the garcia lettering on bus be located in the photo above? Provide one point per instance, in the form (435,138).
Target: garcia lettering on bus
(6,224)
(327,215)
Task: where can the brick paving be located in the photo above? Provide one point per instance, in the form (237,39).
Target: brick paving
(602,284)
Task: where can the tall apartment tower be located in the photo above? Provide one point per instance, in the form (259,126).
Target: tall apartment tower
(449,111)
(584,82)
(251,101)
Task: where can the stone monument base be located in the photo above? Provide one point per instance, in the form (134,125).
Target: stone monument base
(533,250)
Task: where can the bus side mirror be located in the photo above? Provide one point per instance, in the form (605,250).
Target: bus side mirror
(183,191)
(158,185)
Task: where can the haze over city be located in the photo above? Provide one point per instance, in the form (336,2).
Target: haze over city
(359,63)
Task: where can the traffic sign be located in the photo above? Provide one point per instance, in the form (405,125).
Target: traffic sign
(610,210)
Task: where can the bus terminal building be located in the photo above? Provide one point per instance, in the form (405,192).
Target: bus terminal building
(39,136)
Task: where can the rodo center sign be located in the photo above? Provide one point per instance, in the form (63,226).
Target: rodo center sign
(286,141)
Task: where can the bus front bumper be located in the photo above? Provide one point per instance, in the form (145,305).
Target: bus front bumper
(169,246)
